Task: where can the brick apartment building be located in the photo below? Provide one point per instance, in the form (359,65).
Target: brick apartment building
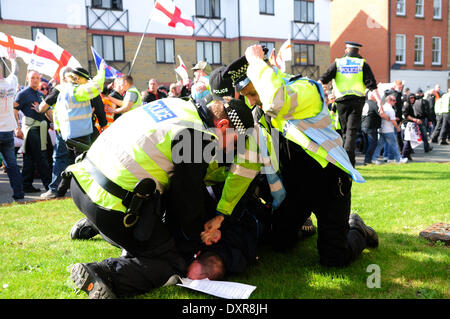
(403,39)
(224,28)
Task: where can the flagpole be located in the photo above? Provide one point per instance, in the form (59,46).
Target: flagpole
(9,70)
(140,42)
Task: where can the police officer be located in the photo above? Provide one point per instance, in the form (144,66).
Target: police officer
(316,171)
(132,98)
(125,183)
(351,75)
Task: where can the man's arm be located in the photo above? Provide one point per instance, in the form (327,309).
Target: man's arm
(126,104)
(92,88)
(18,131)
(329,74)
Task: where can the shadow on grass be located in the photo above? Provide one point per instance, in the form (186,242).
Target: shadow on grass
(410,267)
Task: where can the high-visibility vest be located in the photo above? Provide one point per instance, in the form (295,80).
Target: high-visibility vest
(349,77)
(442,105)
(335,119)
(74,117)
(139,97)
(109,116)
(237,178)
(54,111)
(299,112)
(73,107)
(137,146)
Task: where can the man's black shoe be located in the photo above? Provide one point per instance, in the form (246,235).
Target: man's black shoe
(83,229)
(86,278)
(307,229)
(31,189)
(429,149)
(443,143)
(356,222)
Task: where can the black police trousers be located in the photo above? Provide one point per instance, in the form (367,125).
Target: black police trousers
(148,263)
(350,113)
(326,192)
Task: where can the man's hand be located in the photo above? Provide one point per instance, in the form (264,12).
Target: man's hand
(18,132)
(212,234)
(253,53)
(211,237)
(35,106)
(11,55)
(214,223)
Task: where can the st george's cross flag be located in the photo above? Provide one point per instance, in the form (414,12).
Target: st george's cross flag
(23,48)
(182,71)
(48,58)
(166,12)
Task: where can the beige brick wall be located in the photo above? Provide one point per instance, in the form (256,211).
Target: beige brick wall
(79,41)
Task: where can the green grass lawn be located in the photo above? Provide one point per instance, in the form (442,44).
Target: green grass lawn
(398,201)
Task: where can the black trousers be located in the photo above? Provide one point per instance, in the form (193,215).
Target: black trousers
(326,192)
(350,112)
(148,263)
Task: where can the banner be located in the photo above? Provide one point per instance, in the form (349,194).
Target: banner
(23,48)
(182,71)
(110,72)
(48,58)
(166,12)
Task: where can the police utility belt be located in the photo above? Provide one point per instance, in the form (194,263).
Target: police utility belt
(133,201)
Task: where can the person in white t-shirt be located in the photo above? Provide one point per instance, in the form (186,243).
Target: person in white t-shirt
(388,132)
(9,127)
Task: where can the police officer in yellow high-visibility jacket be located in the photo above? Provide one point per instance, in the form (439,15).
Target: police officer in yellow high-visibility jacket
(132,98)
(161,150)
(315,169)
(351,75)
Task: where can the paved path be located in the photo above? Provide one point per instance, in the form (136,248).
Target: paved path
(440,154)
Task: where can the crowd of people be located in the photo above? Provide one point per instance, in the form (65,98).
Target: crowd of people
(130,159)
(409,120)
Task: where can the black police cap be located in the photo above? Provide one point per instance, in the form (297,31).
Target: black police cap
(237,71)
(220,84)
(81,72)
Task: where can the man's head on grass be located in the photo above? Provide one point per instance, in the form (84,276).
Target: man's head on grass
(207,265)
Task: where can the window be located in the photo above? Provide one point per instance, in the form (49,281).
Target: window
(437,9)
(418,49)
(269,45)
(109,47)
(207,8)
(419,8)
(304,11)
(266,7)
(303,54)
(400,48)
(401,7)
(436,49)
(165,52)
(48,32)
(209,51)
(107,4)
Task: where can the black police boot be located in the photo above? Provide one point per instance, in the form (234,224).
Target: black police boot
(83,229)
(356,222)
(87,278)
(306,230)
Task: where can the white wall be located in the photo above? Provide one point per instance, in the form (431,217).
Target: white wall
(73,12)
(422,79)
(70,12)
